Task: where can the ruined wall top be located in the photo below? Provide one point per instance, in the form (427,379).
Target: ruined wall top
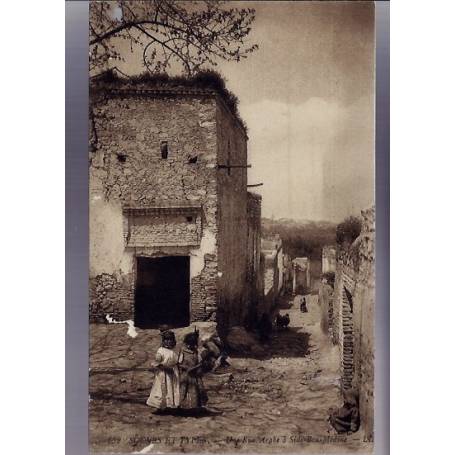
(362,248)
(367,235)
(204,84)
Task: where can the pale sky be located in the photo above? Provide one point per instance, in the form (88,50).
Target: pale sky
(307,97)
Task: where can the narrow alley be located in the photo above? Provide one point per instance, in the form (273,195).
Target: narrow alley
(282,398)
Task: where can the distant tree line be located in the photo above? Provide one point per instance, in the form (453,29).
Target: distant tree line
(307,239)
(348,230)
(302,239)
(329,277)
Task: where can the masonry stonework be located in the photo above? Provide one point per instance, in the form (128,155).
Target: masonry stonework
(146,203)
(232,218)
(353,317)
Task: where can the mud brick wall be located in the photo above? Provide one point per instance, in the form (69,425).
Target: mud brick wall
(127,169)
(367,281)
(348,362)
(254,234)
(254,281)
(232,219)
(354,330)
(204,292)
(337,301)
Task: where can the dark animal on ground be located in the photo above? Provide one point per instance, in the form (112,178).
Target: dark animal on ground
(282,322)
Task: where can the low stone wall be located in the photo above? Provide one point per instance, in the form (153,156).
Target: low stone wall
(108,295)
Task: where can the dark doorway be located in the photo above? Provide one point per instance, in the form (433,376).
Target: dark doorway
(162,292)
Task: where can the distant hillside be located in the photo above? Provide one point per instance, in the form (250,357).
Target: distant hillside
(269,223)
(302,238)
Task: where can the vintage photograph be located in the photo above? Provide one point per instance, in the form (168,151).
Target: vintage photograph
(231,226)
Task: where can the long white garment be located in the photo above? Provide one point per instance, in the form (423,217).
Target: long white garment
(165,391)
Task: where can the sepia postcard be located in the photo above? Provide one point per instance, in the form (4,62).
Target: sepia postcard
(231,226)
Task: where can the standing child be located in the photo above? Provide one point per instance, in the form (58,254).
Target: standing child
(192,393)
(165,393)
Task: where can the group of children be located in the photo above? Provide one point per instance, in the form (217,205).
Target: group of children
(178,379)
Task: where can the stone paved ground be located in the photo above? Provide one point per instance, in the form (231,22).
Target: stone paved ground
(277,403)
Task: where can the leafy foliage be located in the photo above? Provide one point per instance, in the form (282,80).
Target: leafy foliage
(348,230)
(191,34)
(302,239)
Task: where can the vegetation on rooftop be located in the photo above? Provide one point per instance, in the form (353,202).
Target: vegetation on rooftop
(204,79)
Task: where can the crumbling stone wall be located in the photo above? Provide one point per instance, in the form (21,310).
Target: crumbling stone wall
(110,295)
(127,169)
(169,230)
(366,281)
(353,317)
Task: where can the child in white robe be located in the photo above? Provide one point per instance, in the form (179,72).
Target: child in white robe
(165,393)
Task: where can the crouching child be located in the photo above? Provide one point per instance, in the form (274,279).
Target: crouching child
(346,419)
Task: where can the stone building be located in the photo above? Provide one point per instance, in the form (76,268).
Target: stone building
(353,317)
(329,258)
(287,275)
(325,301)
(273,245)
(255,272)
(301,279)
(174,235)
(270,271)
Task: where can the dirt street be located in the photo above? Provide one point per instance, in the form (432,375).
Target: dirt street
(278,402)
